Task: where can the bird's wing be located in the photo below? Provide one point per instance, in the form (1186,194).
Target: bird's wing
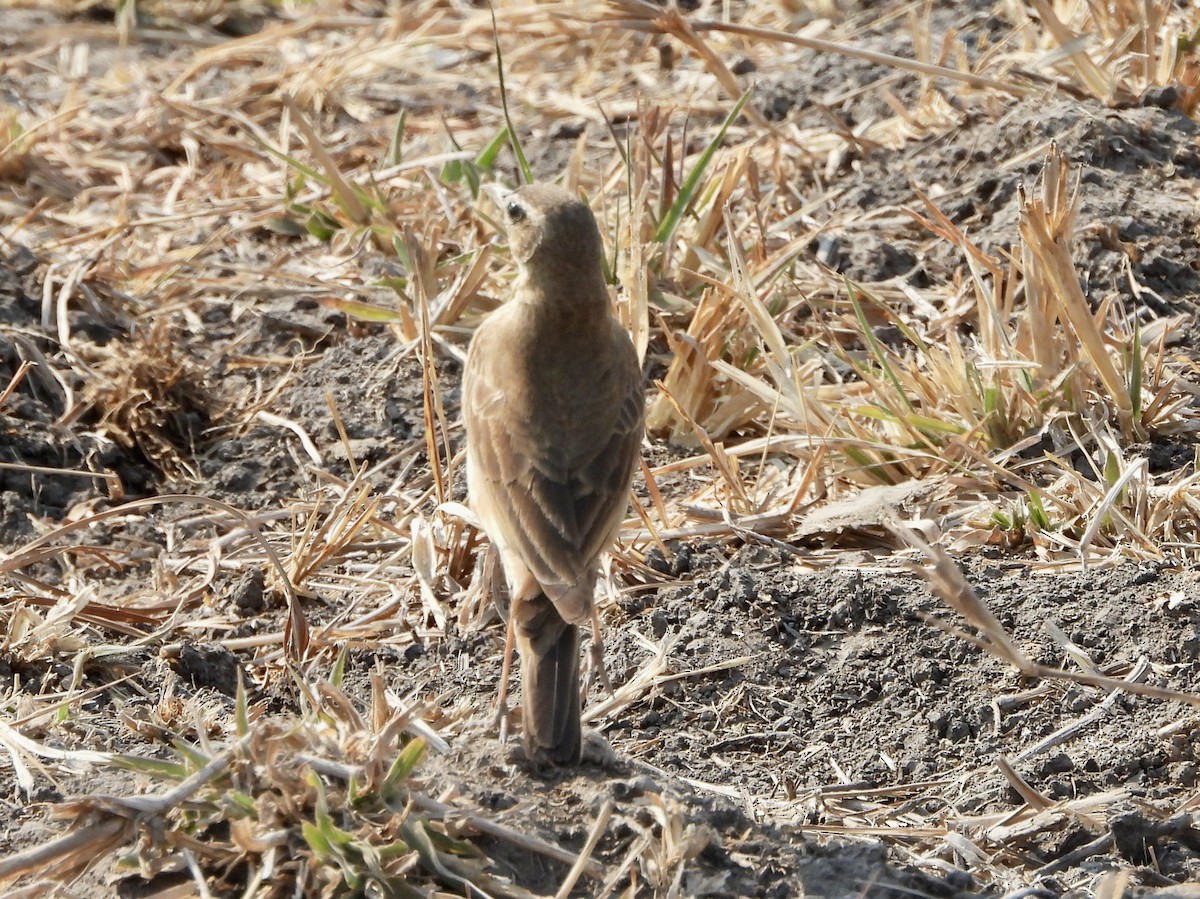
(556,499)
(603,474)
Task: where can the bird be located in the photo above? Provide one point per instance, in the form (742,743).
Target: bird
(553,406)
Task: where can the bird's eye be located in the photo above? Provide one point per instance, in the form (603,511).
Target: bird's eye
(515,211)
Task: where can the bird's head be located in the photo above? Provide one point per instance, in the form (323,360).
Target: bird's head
(551,232)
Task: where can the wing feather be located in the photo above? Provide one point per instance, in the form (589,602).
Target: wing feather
(554,502)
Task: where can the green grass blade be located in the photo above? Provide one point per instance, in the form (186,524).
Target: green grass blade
(486,159)
(1037,513)
(403,766)
(1135,372)
(522,162)
(666,228)
(395,150)
(876,350)
(157,769)
(339,667)
(293,163)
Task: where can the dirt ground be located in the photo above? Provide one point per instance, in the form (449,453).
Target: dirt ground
(796,723)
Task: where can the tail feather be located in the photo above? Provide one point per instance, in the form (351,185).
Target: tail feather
(549,650)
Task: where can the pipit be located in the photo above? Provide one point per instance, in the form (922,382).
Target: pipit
(553,406)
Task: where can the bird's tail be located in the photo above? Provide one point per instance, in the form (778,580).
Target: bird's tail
(549,650)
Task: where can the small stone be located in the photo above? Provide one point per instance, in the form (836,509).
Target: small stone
(658,623)
(1187,774)
(1059,764)
(624,790)
(248,592)
(958,730)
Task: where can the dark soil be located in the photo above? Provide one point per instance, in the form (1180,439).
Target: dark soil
(846,694)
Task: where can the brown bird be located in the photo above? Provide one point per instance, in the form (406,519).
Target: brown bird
(553,406)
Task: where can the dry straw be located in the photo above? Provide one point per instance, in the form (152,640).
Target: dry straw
(184,188)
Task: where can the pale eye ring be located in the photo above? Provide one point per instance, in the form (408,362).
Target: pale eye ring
(515,211)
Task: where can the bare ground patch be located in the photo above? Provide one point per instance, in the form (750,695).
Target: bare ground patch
(950,289)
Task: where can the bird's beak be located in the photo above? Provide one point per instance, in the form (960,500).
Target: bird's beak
(497,193)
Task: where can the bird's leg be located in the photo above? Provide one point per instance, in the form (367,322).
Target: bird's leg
(596,668)
(502,700)
(596,650)
(495,585)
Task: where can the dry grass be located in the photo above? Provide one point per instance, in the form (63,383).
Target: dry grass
(169,176)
